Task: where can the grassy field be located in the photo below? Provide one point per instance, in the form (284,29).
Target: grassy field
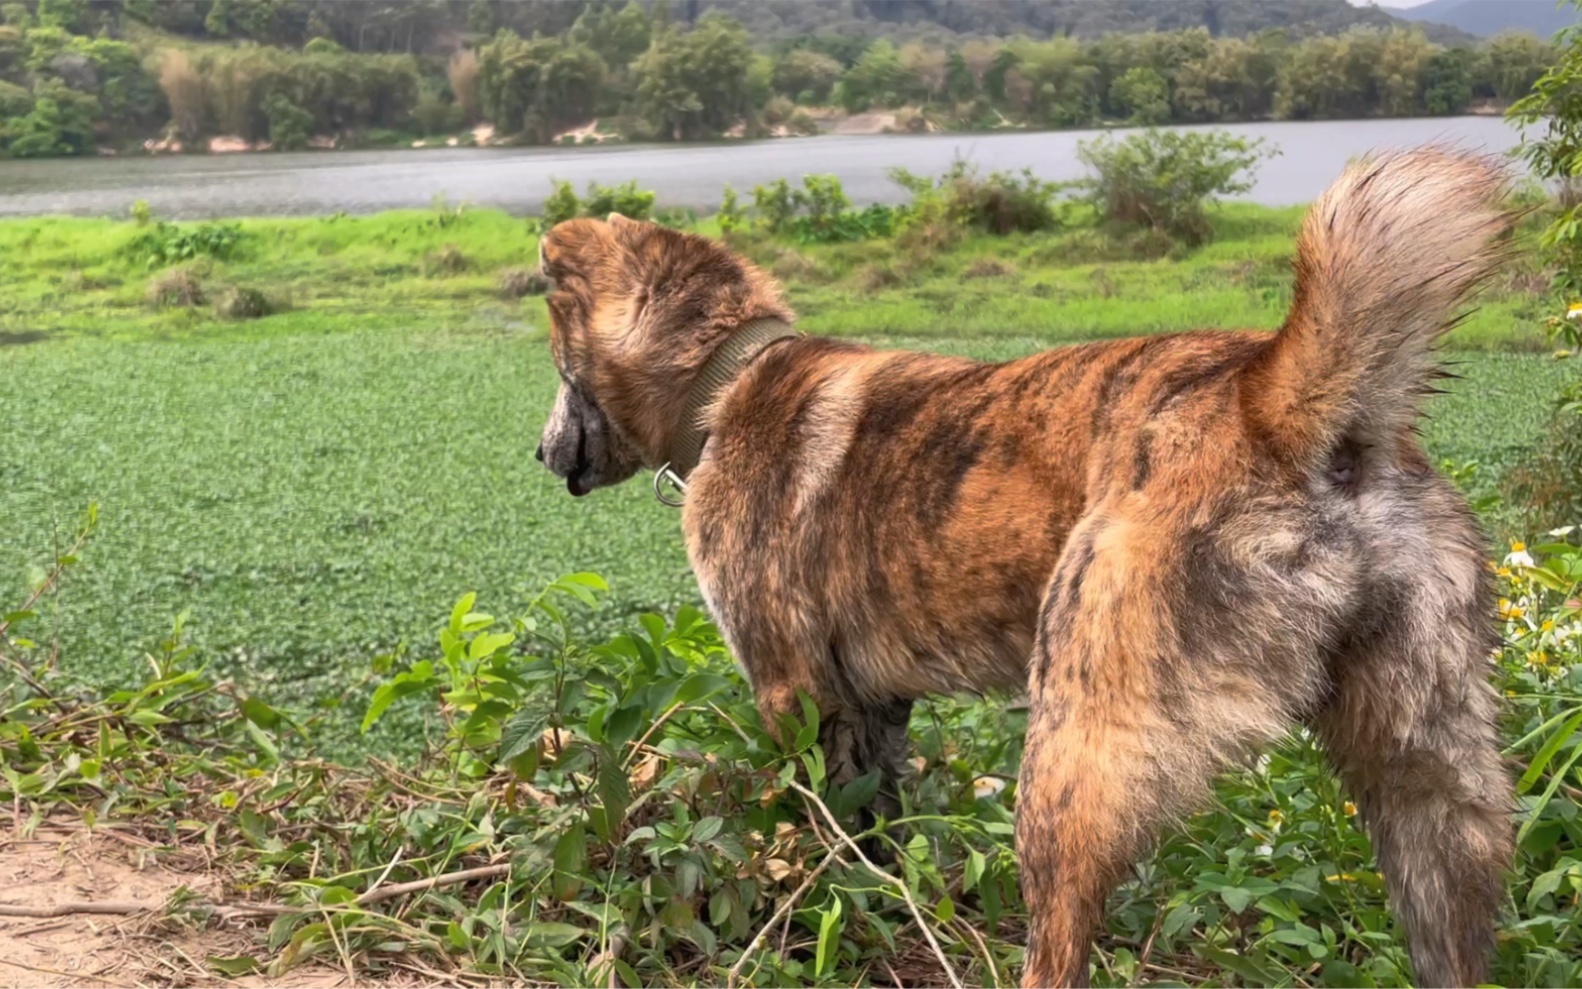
(441,267)
(316,486)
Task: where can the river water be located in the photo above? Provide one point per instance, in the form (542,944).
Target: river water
(517,179)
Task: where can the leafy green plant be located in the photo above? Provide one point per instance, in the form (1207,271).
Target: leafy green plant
(1167,179)
(999,204)
(599,202)
(171,243)
(817,213)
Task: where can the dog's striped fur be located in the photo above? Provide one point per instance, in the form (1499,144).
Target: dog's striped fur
(1181,544)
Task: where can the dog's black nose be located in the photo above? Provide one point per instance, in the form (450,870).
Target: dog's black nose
(539,453)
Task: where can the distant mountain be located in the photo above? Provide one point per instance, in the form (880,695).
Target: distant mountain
(1485,18)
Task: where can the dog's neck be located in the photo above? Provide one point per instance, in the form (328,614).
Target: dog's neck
(733,354)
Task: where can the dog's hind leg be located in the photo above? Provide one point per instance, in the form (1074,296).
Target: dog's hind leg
(1411,730)
(1127,729)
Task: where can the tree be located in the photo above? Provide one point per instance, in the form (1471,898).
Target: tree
(539,87)
(1447,82)
(1514,63)
(60,123)
(806,75)
(1401,73)
(1050,82)
(1142,96)
(877,78)
(619,36)
(695,85)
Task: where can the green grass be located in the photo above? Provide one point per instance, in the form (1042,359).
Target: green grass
(309,498)
(77,277)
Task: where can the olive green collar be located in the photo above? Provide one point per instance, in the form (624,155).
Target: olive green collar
(717,374)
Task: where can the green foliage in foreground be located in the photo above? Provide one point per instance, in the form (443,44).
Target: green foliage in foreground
(625,810)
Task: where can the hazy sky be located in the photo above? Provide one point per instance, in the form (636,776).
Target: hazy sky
(1389,3)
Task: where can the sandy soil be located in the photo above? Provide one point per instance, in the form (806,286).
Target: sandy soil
(63,863)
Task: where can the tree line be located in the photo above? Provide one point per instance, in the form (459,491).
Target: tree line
(76,75)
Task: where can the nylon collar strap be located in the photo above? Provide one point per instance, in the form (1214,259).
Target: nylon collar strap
(722,367)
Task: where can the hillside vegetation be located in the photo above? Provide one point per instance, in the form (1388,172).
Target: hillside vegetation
(80,78)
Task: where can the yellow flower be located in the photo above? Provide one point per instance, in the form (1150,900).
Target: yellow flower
(1503,572)
(1350,809)
(1275,817)
(1539,658)
(1547,626)
(1510,693)
(1518,547)
(1574,310)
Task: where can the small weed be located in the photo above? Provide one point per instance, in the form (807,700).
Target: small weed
(240,302)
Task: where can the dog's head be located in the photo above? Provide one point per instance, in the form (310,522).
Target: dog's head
(635,312)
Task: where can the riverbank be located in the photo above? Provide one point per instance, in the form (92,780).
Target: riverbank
(518,180)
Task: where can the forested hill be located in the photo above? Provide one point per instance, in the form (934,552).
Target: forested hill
(436,25)
(909,19)
(91,76)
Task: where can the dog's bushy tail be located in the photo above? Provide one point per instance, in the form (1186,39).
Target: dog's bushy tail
(1383,259)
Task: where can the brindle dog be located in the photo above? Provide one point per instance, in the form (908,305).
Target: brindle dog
(1181,544)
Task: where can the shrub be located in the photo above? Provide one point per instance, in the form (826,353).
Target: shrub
(731,215)
(516,283)
(142,215)
(625,199)
(802,122)
(169,243)
(819,212)
(1000,204)
(177,287)
(561,205)
(778,111)
(600,201)
(1166,179)
(239,302)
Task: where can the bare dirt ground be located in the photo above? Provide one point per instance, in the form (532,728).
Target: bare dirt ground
(63,863)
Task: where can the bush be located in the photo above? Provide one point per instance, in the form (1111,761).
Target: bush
(819,212)
(802,122)
(600,201)
(516,283)
(1166,179)
(169,243)
(732,215)
(1001,204)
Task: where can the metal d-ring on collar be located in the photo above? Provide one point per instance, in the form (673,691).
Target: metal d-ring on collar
(729,358)
(665,474)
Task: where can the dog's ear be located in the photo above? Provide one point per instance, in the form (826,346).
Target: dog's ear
(617,220)
(571,244)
